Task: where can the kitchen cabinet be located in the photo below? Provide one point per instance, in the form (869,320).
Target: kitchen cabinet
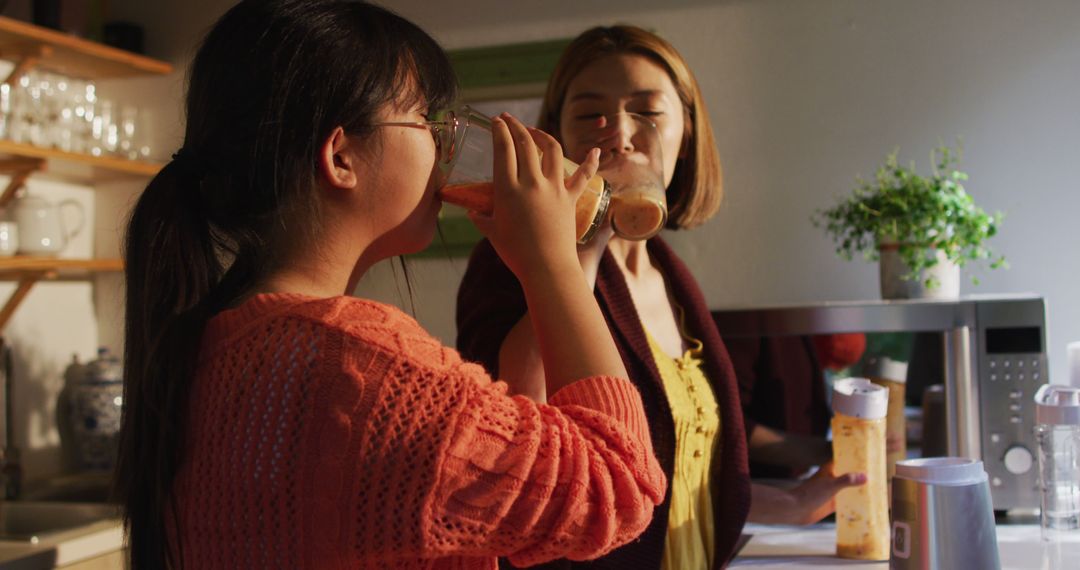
(29,47)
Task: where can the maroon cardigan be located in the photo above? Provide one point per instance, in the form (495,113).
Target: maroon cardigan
(491,302)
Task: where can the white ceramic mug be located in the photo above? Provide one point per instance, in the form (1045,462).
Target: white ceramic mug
(42,231)
(9,238)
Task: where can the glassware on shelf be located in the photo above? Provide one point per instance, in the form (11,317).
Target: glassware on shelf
(52,111)
(5,110)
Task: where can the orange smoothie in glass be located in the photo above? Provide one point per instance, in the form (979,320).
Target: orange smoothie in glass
(592,205)
(637,214)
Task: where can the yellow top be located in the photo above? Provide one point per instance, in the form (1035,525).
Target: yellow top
(689,543)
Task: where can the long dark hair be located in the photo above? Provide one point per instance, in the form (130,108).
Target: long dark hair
(270,82)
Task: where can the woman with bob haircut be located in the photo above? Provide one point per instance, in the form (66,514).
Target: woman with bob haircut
(653,306)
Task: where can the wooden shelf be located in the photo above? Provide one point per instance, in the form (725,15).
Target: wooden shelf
(73,56)
(28,271)
(22,264)
(29,46)
(101,163)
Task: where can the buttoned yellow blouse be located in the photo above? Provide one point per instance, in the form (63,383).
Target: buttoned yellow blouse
(689,543)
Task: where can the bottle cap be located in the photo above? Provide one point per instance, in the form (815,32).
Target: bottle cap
(860,398)
(885,368)
(1057,405)
(942,470)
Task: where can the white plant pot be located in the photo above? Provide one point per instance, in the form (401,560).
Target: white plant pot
(893,286)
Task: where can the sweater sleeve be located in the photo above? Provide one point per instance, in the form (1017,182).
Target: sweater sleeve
(490,302)
(467,470)
(573,479)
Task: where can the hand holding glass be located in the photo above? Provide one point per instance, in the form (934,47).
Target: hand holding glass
(467,159)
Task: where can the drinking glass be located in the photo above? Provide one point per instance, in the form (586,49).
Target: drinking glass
(5,110)
(104,131)
(1057,430)
(128,144)
(84,101)
(27,111)
(467,161)
(632,162)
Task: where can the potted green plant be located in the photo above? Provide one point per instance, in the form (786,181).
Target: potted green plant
(921,228)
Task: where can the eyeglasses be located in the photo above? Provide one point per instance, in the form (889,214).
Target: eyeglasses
(444,131)
(449,130)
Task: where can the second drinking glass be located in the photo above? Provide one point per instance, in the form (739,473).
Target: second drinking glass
(633,163)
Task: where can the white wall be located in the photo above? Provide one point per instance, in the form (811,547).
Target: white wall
(804,96)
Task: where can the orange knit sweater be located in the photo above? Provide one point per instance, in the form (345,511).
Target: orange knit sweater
(336,433)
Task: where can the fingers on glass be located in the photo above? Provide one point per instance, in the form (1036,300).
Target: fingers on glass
(552,158)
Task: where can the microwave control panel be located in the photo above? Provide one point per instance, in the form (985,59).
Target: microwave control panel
(1012,366)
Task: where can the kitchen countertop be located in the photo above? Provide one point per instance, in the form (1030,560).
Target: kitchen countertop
(770,547)
(814,546)
(63,548)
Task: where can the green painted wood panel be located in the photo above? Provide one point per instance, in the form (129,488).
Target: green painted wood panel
(510,64)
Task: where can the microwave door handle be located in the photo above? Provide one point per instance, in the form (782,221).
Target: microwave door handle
(961,395)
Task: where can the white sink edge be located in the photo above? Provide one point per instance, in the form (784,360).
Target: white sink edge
(72,545)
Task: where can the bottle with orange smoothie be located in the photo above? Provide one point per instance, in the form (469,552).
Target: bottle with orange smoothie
(858,427)
(892,375)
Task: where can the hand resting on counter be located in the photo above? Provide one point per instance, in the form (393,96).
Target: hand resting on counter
(807,503)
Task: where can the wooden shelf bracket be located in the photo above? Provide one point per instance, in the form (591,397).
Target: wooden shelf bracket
(20,170)
(25,59)
(25,284)
(27,271)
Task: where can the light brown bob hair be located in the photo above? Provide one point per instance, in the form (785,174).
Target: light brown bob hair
(696,188)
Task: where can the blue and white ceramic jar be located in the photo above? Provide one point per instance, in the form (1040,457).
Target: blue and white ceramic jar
(95,401)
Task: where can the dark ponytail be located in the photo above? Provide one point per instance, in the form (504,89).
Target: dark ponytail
(271,81)
(170,268)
